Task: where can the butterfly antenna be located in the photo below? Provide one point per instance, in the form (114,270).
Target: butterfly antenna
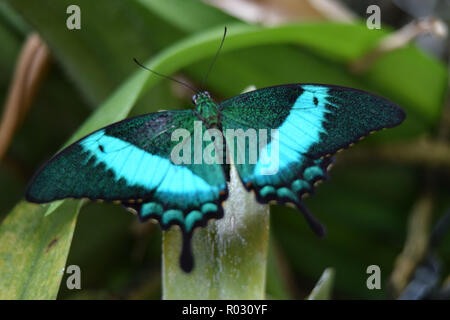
(215,57)
(163,75)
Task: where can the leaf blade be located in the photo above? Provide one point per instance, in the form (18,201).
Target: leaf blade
(324,287)
(34,250)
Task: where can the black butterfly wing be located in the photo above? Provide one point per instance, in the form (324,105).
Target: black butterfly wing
(132,162)
(305,124)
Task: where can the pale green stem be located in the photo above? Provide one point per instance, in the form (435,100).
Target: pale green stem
(230,254)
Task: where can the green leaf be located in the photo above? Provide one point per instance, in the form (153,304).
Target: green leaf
(278,273)
(187,15)
(324,287)
(34,249)
(52,206)
(99,55)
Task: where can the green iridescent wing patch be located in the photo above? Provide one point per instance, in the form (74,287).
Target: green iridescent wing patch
(130,162)
(312,122)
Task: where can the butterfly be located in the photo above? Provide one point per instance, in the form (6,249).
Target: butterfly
(132,161)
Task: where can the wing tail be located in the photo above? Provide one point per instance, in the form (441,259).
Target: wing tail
(318,228)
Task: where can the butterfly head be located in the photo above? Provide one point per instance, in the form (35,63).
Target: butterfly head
(201,97)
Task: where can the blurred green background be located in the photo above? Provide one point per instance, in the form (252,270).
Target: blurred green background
(374,190)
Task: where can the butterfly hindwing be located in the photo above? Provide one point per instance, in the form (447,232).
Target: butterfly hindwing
(311,123)
(131,162)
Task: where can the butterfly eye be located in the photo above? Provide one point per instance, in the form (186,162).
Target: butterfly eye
(194,99)
(207,94)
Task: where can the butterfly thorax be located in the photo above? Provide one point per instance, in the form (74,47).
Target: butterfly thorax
(207,109)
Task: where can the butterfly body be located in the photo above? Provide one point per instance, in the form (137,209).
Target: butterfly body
(173,166)
(207,110)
